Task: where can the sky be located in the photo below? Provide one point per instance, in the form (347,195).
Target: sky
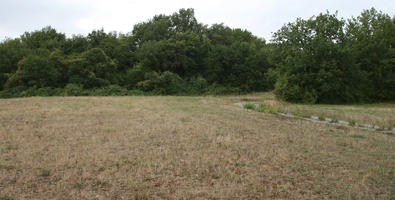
(261,17)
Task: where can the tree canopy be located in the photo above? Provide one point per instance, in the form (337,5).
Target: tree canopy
(323,59)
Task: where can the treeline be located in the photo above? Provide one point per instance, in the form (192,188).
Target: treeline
(320,60)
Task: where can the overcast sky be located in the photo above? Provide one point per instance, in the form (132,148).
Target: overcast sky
(261,17)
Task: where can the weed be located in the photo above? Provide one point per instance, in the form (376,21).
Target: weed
(5,197)
(78,185)
(334,120)
(219,134)
(316,189)
(351,122)
(266,109)
(357,136)
(240,164)
(45,172)
(4,165)
(249,106)
(321,117)
(99,183)
(203,139)
(215,176)
(10,147)
(40,134)
(109,130)
(185,120)
(104,139)
(101,169)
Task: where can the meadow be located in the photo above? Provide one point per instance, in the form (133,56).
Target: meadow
(205,147)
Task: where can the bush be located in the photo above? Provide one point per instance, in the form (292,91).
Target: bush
(249,106)
(216,89)
(197,85)
(112,90)
(73,90)
(266,109)
(165,83)
(43,92)
(134,75)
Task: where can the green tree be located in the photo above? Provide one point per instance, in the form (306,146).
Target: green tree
(316,65)
(372,40)
(46,38)
(93,68)
(34,70)
(75,45)
(184,21)
(11,52)
(156,29)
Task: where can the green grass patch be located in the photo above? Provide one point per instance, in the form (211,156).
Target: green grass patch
(352,122)
(321,117)
(266,109)
(4,197)
(249,106)
(45,172)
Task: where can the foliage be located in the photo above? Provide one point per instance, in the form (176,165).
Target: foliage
(352,122)
(164,83)
(319,60)
(372,38)
(325,60)
(249,106)
(93,68)
(266,109)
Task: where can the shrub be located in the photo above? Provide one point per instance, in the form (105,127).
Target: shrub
(111,90)
(73,90)
(4,197)
(216,89)
(249,106)
(266,109)
(45,172)
(165,83)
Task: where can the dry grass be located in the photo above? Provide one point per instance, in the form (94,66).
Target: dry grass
(183,148)
(381,114)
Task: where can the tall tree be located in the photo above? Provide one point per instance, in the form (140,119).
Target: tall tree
(316,66)
(46,38)
(372,39)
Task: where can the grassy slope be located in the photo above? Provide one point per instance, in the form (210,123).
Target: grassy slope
(183,147)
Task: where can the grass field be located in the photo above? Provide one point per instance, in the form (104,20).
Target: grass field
(187,148)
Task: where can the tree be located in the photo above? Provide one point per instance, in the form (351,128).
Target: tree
(93,68)
(34,70)
(184,21)
(316,65)
(155,29)
(46,38)
(75,45)
(372,40)
(11,52)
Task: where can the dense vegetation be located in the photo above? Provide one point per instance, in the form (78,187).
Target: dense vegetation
(320,60)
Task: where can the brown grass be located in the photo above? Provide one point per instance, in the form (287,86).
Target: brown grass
(183,148)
